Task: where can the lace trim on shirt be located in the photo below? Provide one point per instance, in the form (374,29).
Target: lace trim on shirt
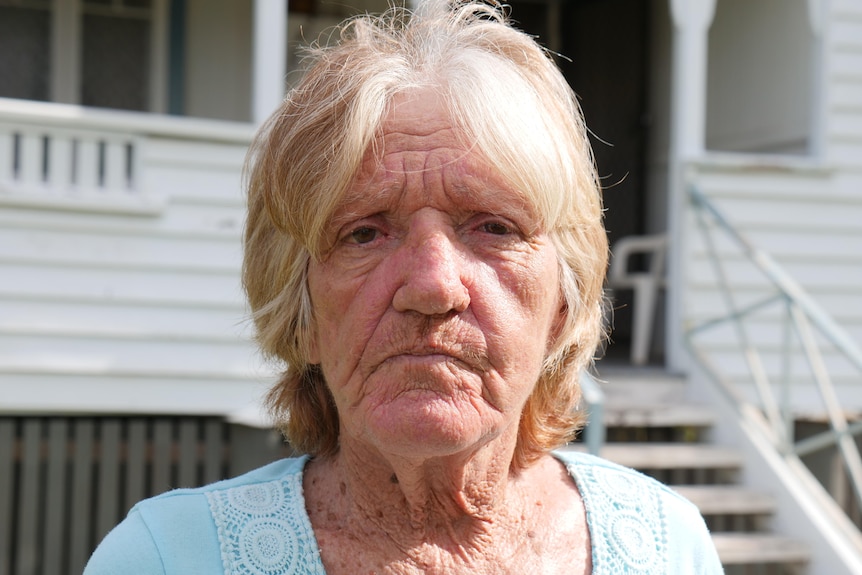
(628,527)
(261,529)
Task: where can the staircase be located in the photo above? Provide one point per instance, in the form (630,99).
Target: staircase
(653,428)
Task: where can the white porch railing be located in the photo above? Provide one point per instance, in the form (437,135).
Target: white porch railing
(55,155)
(120,253)
(804,329)
(40,159)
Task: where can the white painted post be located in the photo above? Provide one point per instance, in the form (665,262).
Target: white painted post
(691,20)
(818,14)
(269,57)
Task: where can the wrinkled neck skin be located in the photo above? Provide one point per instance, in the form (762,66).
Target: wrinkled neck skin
(464,507)
(460,490)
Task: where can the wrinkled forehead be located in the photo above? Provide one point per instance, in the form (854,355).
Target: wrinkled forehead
(416,115)
(420,144)
(417,134)
(508,138)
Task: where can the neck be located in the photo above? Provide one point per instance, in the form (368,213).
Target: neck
(456,498)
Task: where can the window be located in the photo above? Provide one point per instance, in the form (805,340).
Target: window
(115,53)
(25,28)
(104,53)
(760,77)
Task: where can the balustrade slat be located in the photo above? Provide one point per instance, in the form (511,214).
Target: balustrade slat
(55,520)
(87,164)
(7,151)
(30,158)
(60,162)
(28,500)
(115,166)
(7,478)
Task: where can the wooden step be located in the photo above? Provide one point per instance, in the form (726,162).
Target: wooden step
(758,548)
(654,386)
(727,499)
(625,413)
(649,397)
(649,455)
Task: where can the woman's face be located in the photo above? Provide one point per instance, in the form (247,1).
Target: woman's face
(437,301)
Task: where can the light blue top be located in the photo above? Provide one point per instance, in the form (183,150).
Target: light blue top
(256,524)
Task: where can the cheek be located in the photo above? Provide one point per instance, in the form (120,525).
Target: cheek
(522,311)
(535,291)
(328,301)
(346,309)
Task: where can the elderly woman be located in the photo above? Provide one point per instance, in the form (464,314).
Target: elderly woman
(425,253)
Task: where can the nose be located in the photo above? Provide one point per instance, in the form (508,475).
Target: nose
(430,267)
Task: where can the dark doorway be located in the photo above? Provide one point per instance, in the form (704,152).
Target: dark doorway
(604,55)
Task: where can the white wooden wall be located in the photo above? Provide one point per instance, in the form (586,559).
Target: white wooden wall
(759,76)
(806,211)
(129,301)
(843,98)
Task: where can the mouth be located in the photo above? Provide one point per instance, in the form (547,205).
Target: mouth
(436,357)
(423,358)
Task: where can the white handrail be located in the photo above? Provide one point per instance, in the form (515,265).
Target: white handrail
(805,314)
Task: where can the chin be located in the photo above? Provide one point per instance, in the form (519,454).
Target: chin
(429,429)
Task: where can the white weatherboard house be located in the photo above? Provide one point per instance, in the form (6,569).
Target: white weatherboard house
(729,134)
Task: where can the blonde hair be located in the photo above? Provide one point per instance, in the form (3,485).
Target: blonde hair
(516,110)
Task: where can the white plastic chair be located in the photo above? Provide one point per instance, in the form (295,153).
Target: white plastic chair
(645,284)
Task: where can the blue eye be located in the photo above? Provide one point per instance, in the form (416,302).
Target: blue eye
(363,235)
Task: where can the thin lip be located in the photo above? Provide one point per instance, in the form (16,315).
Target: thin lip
(441,355)
(445,353)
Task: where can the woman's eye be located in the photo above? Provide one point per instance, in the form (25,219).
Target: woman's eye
(496,228)
(363,235)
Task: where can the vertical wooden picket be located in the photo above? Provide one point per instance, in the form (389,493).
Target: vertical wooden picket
(54,514)
(7,480)
(187,460)
(161,464)
(66,481)
(28,500)
(108,495)
(81,541)
(213,451)
(136,470)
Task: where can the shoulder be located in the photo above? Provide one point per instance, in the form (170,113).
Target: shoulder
(589,468)
(605,480)
(182,530)
(637,524)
